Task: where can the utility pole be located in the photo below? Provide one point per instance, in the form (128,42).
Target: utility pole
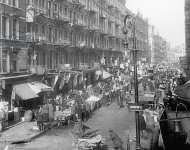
(130,26)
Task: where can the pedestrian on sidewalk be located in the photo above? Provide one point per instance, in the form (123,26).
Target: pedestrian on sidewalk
(122,95)
(142,123)
(128,97)
(118,97)
(117,142)
(40,120)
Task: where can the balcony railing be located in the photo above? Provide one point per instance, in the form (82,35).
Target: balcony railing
(34,37)
(39,10)
(62,42)
(93,9)
(5,37)
(9,9)
(12,37)
(80,23)
(93,27)
(61,17)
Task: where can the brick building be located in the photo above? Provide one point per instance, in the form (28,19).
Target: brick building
(187,38)
(13,52)
(160,49)
(151,42)
(142,35)
(49,33)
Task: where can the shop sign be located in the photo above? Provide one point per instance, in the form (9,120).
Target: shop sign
(135,107)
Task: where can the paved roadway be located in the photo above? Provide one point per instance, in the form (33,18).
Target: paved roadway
(108,117)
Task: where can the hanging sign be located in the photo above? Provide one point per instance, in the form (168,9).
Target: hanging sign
(135,107)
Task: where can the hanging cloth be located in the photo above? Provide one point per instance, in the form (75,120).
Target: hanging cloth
(70,82)
(67,77)
(56,87)
(62,83)
(13,94)
(80,79)
(75,80)
(55,81)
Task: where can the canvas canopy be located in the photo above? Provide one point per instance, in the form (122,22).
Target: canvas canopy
(29,90)
(183,91)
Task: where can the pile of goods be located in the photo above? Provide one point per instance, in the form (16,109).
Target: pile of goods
(3,114)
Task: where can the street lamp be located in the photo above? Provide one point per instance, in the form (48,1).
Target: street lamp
(129,30)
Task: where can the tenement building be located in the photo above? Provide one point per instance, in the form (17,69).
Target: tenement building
(142,38)
(13,49)
(50,33)
(187,38)
(160,48)
(151,42)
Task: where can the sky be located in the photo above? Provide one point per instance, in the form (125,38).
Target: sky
(166,15)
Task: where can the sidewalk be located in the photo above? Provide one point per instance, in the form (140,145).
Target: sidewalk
(22,132)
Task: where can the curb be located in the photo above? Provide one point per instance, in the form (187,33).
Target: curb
(24,140)
(13,125)
(28,139)
(33,137)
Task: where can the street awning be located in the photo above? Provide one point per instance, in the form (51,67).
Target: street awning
(29,90)
(183,91)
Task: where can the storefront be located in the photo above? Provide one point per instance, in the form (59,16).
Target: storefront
(19,93)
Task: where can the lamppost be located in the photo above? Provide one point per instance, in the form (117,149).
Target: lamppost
(129,30)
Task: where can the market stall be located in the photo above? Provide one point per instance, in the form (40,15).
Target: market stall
(26,96)
(64,111)
(94,102)
(67,80)
(73,103)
